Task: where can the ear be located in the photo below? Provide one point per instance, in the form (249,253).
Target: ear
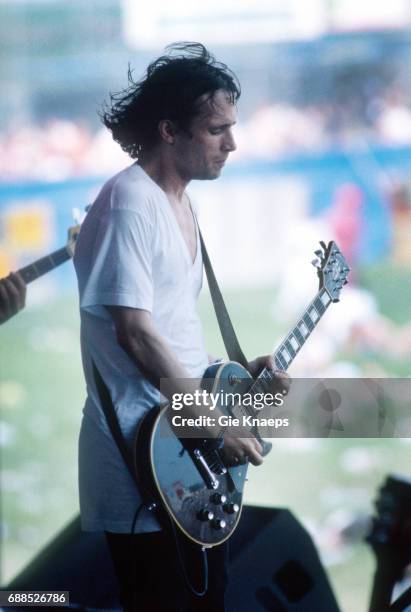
(167,131)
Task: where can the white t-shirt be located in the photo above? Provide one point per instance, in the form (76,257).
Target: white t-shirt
(130,252)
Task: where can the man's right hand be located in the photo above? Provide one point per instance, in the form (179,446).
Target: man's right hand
(237,451)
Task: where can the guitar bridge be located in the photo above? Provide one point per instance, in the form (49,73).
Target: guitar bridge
(204,469)
(214,462)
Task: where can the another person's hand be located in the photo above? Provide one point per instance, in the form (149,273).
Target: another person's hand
(12,295)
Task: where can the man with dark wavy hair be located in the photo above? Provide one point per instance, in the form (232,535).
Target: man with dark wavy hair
(139,266)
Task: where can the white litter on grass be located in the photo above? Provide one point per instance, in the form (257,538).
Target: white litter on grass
(32,502)
(12,394)
(5,532)
(335,496)
(8,434)
(18,480)
(55,339)
(29,535)
(301,445)
(360,460)
(40,425)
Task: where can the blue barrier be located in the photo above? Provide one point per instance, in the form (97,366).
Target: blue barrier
(323,173)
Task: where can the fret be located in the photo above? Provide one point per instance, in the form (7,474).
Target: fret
(289,348)
(28,274)
(300,338)
(286,352)
(283,363)
(325,298)
(308,322)
(262,383)
(265,374)
(319,306)
(294,343)
(285,355)
(259,386)
(303,329)
(313,314)
(45,264)
(60,256)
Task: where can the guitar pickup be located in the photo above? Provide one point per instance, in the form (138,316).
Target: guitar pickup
(214,462)
(202,466)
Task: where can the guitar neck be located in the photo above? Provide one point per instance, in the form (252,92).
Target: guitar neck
(45,264)
(295,340)
(288,349)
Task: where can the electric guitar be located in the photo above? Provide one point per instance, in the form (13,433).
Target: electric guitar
(49,262)
(186,479)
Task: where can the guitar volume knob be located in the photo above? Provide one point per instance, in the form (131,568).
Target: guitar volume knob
(205,515)
(218,498)
(231,508)
(218,523)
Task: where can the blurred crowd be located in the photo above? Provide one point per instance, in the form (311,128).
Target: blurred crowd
(62,148)
(58,150)
(279,130)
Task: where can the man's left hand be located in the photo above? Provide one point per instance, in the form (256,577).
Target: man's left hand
(280,382)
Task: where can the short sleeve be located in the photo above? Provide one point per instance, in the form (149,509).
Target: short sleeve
(121,264)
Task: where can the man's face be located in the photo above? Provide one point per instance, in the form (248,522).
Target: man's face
(202,151)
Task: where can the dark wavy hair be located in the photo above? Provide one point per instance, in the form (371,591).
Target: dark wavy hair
(170,89)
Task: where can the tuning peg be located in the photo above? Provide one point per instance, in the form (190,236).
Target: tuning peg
(324,246)
(316,263)
(319,253)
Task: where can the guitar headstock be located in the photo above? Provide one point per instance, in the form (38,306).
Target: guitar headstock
(332,269)
(73,233)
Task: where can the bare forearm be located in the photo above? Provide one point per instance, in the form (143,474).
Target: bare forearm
(158,362)
(138,336)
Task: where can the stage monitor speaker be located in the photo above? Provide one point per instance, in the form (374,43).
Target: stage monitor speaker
(275,566)
(73,561)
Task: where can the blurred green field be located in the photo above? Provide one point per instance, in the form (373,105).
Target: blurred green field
(41,397)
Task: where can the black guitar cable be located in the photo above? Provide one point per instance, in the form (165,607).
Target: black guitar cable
(182,565)
(133,525)
(180,558)
(133,557)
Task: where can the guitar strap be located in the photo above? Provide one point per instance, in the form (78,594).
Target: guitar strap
(230,339)
(112,420)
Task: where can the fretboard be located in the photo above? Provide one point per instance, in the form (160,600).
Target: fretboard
(45,264)
(288,349)
(292,344)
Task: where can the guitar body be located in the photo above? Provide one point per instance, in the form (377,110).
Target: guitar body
(169,473)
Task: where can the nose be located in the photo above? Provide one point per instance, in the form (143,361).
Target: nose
(229,143)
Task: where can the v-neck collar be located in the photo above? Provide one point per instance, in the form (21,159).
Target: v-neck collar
(167,202)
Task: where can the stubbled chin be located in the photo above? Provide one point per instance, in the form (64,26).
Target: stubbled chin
(209,176)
